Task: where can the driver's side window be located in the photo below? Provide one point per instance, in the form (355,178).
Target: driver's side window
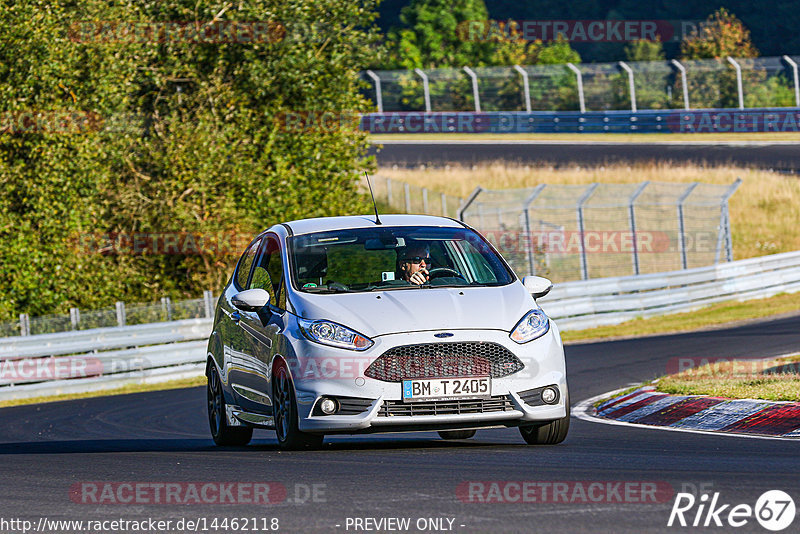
(245,263)
(268,273)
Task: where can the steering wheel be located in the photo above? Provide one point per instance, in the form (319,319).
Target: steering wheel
(444,271)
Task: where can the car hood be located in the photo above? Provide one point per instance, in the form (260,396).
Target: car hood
(388,312)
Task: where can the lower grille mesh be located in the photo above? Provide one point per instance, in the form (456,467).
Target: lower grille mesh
(393,408)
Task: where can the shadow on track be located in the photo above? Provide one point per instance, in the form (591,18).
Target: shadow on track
(88,446)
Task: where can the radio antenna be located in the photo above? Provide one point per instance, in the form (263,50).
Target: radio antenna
(374,205)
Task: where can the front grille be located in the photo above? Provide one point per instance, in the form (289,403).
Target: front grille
(393,408)
(444,360)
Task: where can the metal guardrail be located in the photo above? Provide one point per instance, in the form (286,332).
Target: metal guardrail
(643,121)
(608,301)
(102,358)
(107,358)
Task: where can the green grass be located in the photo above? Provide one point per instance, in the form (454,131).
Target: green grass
(712,316)
(737,380)
(134,388)
(598,137)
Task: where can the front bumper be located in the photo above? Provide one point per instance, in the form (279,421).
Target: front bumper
(324,371)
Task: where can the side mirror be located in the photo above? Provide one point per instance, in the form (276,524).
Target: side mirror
(251,299)
(537,286)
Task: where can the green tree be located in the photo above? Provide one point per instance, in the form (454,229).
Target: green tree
(654,80)
(558,52)
(192,142)
(722,35)
(643,50)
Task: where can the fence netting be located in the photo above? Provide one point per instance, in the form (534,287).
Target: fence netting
(573,232)
(710,83)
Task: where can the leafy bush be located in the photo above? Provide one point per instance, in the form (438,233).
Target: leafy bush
(184,138)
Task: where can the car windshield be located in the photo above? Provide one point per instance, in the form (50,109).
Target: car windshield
(386,258)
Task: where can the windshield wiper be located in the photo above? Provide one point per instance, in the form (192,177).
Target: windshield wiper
(327,290)
(395,288)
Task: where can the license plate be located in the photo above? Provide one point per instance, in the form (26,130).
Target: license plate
(447,388)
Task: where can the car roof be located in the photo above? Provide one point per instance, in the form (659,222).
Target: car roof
(323,224)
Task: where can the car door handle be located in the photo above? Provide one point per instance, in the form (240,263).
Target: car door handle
(236,317)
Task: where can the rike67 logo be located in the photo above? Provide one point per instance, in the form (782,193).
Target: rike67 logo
(774,510)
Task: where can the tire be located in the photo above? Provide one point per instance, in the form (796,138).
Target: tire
(284,405)
(222,433)
(550,433)
(456,434)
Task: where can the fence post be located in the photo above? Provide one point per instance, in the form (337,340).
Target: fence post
(681,227)
(632,220)
(74,317)
(684,84)
(526,88)
(579,77)
(470,199)
(475,94)
(425,200)
(208,300)
(444,205)
(531,258)
(166,306)
(631,86)
(792,64)
(120,313)
(738,80)
(121,319)
(24,325)
(389,191)
(585,197)
(378,92)
(407,192)
(425,89)
(725,223)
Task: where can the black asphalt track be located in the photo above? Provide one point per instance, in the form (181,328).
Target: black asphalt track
(778,156)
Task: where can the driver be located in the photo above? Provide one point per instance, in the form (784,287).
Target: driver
(412,264)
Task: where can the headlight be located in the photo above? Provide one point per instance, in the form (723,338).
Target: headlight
(333,334)
(534,324)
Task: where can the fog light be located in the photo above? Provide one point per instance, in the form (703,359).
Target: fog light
(549,395)
(328,406)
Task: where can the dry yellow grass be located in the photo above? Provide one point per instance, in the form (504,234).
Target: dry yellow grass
(765,211)
(776,380)
(712,316)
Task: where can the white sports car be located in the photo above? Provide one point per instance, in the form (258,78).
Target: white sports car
(413,323)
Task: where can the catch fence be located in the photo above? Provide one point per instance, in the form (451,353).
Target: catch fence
(765,82)
(578,232)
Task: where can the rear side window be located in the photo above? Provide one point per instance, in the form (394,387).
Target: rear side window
(245,263)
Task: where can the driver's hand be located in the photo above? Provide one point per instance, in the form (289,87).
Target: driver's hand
(419,277)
